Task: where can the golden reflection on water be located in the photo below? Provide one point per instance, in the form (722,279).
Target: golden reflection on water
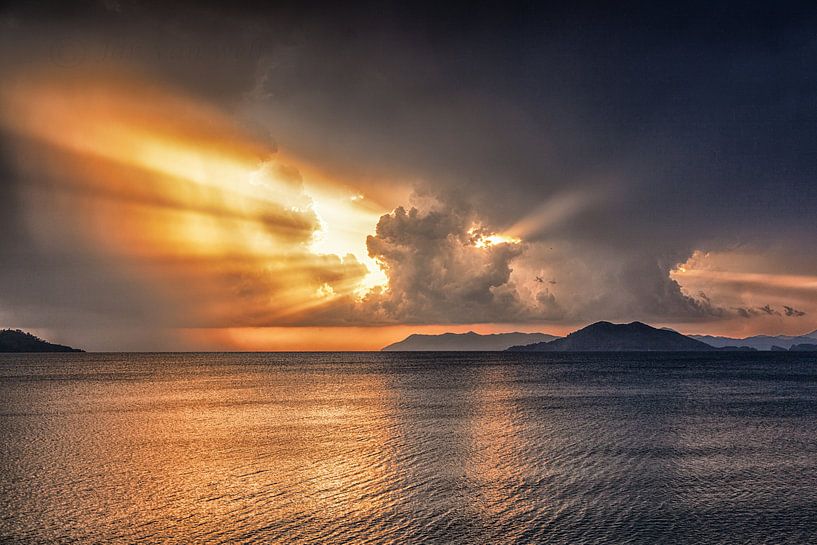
(308,447)
(496,442)
(187,451)
(328,448)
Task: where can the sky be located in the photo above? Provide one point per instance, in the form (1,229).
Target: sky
(308,177)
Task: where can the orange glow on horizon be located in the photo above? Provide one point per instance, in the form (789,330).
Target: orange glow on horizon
(748,284)
(333,339)
(801,282)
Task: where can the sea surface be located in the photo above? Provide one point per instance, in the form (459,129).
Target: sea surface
(408,448)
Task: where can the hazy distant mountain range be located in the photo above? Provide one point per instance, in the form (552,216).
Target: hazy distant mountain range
(607,337)
(805,347)
(598,337)
(602,336)
(14,340)
(465,342)
(759,342)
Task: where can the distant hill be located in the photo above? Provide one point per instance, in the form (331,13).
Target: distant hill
(607,337)
(759,342)
(804,347)
(14,340)
(731,348)
(465,342)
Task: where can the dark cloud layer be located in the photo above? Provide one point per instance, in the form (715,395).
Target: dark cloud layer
(668,131)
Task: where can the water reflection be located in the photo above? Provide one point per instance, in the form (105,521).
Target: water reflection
(391,448)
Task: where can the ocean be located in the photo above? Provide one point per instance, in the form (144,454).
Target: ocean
(407,448)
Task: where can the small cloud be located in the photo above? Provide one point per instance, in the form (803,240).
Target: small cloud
(325,290)
(744,312)
(793,312)
(767,309)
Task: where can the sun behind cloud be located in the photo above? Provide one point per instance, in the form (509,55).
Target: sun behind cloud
(168,186)
(216,224)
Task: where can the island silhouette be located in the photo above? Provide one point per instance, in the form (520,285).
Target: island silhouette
(603,337)
(465,342)
(609,337)
(598,337)
(15,340)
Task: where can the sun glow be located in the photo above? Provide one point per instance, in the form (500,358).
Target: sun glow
(344,223)
(174,187)
(498,239)
(790,281)
(483,238)
(709,268)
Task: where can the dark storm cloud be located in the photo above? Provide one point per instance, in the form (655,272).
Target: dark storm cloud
(603,283)
(694,126)
(680,129)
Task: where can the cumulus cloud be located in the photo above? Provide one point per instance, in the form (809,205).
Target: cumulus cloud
(442,269)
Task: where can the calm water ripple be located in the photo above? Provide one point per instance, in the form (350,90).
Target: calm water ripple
(408,448)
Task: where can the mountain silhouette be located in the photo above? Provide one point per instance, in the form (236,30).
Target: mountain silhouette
(465,342)
(759,342)
(14,340)
(608,337)
(804,347)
